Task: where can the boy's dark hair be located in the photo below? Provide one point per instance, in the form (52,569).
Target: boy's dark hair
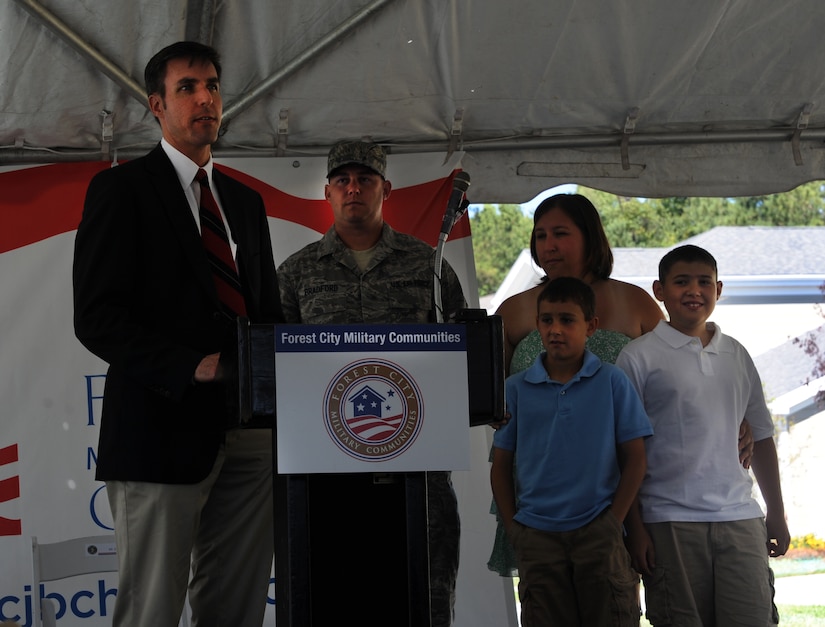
(569,289)
(598,258)
(154,75)
(688,254)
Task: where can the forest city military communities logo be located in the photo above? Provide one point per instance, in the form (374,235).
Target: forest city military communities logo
(373,410)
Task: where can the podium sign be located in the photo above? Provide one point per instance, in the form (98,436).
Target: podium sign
(371,398)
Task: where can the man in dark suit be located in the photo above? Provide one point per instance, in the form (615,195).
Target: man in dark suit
(184,491)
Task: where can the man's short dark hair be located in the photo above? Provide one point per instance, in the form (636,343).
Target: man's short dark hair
(569,289)
(688,254)
(154,75)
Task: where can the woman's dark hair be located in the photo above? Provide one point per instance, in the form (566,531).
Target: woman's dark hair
(598,258)
(154,75)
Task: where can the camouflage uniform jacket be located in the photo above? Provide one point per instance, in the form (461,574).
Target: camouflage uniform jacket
(322,284)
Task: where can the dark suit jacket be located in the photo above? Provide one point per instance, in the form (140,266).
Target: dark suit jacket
(145,303)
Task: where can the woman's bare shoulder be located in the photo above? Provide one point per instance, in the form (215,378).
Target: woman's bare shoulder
(514,306)
(626,308)
(518,314)
(644,308)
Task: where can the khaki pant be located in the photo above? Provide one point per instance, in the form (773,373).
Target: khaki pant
(224,524)
(576,578)
(710,574)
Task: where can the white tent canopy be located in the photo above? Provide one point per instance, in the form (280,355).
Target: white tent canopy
(637,97)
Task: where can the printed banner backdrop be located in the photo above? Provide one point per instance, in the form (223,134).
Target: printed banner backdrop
(51,386)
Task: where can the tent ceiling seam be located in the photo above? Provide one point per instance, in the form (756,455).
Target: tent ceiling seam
(29,154)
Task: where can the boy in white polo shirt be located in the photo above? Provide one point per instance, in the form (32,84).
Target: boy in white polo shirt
(697,536)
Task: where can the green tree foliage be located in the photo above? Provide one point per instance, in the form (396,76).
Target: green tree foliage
(802,206)
(660,222)
(500,233)
(633,222)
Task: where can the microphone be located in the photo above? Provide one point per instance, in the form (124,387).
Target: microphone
(457,202)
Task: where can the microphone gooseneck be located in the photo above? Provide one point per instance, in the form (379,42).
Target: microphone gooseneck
(455,207)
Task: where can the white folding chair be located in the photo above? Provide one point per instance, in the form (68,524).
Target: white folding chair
(70,558)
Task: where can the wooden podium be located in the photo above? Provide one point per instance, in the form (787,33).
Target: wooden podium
(351,538)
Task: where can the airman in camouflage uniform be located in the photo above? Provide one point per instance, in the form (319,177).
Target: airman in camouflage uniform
(363,271)
(322,283)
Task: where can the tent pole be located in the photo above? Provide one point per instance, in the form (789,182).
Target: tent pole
(60,28)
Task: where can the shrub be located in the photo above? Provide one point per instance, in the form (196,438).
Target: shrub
(809,541)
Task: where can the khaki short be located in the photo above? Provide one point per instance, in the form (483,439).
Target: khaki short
(710,574)
(581,577)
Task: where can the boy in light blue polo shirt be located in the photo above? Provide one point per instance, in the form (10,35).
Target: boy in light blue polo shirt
(578,428)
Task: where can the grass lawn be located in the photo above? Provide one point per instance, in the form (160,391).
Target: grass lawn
(790,616)
(801,615)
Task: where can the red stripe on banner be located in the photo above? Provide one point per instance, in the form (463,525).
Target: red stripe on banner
(313,214)
(406,210)
(43,201)
(10,527)
(8,454)
(9,489)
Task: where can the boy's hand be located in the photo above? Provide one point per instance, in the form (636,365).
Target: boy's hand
(208,370)
(499,424)
(745,444)
(642,554)
(778,536)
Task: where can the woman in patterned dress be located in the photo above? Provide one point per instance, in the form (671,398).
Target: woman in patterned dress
(568,240)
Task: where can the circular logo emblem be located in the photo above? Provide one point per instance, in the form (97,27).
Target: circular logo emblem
(373,410)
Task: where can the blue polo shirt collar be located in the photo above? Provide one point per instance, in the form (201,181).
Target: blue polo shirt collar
(537,374)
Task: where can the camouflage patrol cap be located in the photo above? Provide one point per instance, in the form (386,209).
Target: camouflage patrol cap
(360,153)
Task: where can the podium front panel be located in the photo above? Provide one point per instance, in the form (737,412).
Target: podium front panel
(371,398)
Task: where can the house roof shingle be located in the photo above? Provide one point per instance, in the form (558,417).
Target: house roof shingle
(740,251)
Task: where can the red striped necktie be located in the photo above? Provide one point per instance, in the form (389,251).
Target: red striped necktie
(216,244)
